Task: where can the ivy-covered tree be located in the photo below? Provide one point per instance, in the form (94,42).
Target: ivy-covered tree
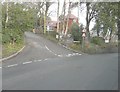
(16,18)
(107,17)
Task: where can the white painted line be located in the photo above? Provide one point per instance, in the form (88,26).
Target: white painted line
(47,48)
(60,55)
(73,54)
(39,60)
(0,67)
(69,54)
(12,65)
(46,59)
(63,46)
(50,50)
(76,53)
(12,55)
(27,62)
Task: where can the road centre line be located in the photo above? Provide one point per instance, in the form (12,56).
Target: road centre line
(27,62)
(68,55)
(46,59)
(35,60)
(60,55)
(12,65)
(39,60)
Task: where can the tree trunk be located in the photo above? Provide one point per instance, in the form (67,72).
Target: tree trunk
(64,6)
(98,33)
(6,21)
(58,18)
(45,17)
(66,30)
(87,22)
(44,23)
(110,35)
(88,32)
(78,11)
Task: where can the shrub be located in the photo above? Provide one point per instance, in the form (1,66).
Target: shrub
(12,35)
(76,33)
(52,33)
(97,40)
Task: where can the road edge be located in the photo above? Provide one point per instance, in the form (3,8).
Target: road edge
(13,55)
(71,49)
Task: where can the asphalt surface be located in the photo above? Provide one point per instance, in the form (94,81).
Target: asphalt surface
(44,65)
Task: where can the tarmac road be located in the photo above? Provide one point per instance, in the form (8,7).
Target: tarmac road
(44,65)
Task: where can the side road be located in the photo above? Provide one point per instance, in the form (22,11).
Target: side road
(38,48)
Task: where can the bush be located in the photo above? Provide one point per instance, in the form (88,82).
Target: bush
(76,33)
(12,35)
(52,33)
(97,40)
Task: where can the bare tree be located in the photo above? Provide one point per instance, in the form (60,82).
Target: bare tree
(47,5)
(66,30)
(64,8)
(90,14)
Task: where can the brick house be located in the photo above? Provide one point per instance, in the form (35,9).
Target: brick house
(72,18)
(52,25)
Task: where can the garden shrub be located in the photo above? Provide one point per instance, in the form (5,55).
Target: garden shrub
(76,32)
(97,40)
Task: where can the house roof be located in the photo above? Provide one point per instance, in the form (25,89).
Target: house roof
(71,16)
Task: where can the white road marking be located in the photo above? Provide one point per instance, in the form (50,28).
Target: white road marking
(12,55)
(73,54)
(12,65)
(50,50)
(60,55)
(69,54)
(39,60)
(27,62)
(47,48)
(76,53)
(0,67)
(46,59)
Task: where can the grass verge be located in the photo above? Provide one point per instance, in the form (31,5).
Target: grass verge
(96,49)
(9,49)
